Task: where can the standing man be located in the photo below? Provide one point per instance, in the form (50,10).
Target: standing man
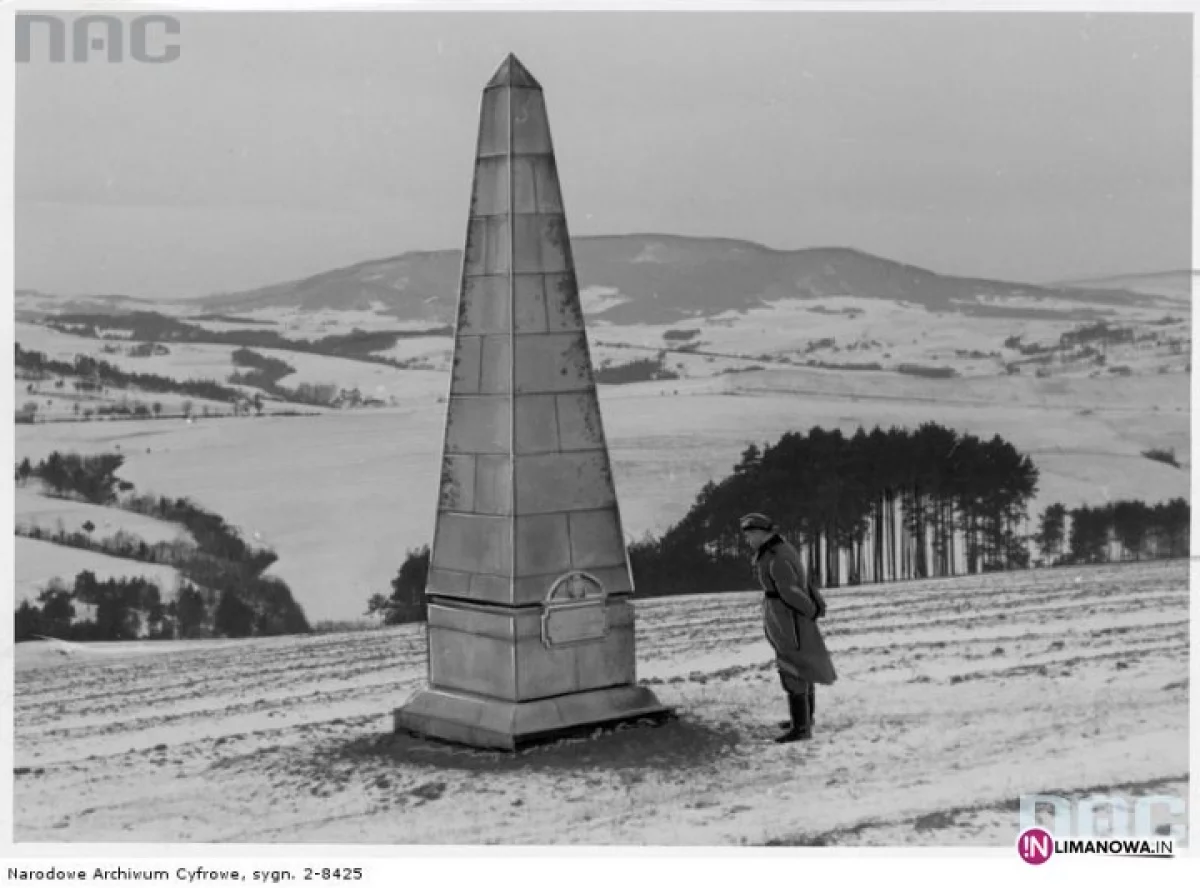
(791,609)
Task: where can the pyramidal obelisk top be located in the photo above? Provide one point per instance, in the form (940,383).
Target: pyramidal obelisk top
(512,73)
(526,490)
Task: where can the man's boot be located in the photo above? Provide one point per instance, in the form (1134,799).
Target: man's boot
(812,709)
(801,724)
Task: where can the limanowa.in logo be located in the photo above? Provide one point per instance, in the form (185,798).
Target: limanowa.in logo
(1112,825)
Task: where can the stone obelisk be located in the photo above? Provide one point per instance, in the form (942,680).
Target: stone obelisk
(530,627)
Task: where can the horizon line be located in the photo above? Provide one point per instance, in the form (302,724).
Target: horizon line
(1068,281)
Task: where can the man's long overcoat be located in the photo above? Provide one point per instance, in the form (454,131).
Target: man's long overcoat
(790,613)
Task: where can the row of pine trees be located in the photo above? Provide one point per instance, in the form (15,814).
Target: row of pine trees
(872,507)
(1126,530)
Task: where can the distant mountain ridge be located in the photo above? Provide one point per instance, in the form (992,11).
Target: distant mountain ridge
(1179,284)
(655,278)
(33,304)
(661,279)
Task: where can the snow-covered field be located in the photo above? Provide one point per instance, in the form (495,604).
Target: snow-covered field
(57,345)
(955,697)
(372,380)
(39,562)
(850,330)
(296,323)
(187,360)
(65,405)
(192,361)
(34,509)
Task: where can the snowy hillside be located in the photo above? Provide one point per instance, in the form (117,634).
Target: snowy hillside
(955,697)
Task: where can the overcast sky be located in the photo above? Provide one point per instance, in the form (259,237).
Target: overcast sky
(1029,147)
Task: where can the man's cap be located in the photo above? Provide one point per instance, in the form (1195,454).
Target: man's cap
(756,521)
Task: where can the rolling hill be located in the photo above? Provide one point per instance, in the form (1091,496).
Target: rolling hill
(653,278)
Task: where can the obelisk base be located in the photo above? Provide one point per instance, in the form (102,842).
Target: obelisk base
(489,723)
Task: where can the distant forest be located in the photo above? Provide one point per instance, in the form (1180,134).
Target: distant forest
(876,506)
(640,370)
(131,608)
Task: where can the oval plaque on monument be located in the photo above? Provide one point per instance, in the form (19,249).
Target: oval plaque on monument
(574,610)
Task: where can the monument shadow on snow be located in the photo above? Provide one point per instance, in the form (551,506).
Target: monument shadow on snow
(676,743)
